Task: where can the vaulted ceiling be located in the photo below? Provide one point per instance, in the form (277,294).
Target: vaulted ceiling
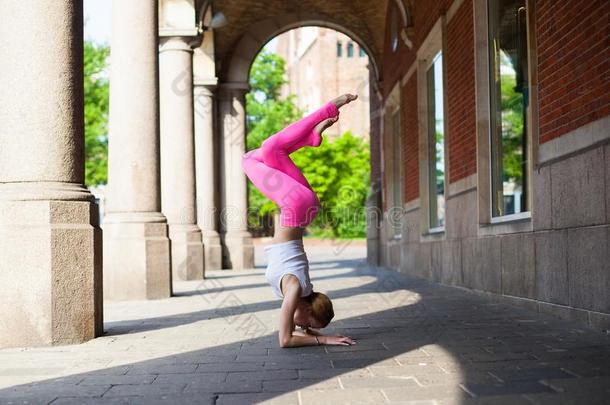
(258,21)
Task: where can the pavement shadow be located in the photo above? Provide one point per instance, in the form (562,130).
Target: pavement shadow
(432,342)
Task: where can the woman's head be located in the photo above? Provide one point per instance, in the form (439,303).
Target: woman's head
(315,310)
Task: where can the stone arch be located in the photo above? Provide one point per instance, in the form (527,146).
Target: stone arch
(235,66)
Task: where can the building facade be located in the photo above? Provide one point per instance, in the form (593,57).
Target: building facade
(322,63)
(494,150)
(489,136)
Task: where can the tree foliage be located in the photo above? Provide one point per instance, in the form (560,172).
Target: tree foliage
(96,86)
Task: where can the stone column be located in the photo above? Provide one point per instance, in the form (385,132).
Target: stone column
(206,173)
(178,157)
(136,246)
(50,240)
(234,216)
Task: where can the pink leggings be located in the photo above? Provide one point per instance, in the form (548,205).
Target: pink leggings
(277,177)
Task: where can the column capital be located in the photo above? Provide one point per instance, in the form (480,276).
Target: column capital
(176,43)
(204,84)
(230,90)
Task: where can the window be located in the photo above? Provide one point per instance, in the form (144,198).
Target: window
(362,52)
(339,49)
(509,102)
(394,29)
(436,143)
(396,166)
(350,49)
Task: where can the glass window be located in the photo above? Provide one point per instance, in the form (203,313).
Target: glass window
(509,102)
(339,49)
(436,142)
(350,49)
(362,52)
(396,175)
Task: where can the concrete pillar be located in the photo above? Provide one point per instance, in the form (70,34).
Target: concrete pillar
(239,251)
(50,240)
(178,158)
(136,245)
(206,173)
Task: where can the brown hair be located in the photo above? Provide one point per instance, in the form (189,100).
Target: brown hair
(321,307)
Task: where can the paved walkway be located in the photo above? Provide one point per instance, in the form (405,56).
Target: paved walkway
(418,343)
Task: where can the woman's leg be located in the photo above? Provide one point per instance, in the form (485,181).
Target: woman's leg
(298,203)
(276,149)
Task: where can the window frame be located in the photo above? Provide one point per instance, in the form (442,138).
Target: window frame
(512,223)
(393,163)
(429,49)
(350,49)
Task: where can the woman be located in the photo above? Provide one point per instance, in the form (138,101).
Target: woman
(277,177)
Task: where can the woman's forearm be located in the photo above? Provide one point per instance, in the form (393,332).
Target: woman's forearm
(298,340)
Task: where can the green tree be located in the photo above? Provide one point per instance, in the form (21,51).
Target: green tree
(341,182)
(266,115)
(339,173)
(96,113)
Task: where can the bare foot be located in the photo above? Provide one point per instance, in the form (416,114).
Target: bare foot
(322,125)
(344,99)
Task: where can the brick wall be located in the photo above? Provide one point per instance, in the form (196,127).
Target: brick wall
(573,64)
(409,141)
(460,87)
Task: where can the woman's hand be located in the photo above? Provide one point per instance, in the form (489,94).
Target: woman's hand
(338,340)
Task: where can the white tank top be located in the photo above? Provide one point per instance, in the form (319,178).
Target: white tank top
(287,258)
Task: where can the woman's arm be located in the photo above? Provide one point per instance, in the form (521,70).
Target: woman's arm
(289,305)
(288,336)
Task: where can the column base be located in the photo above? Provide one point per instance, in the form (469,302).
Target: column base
(212,250)
(187,252)
(50,273)
(136,257)
(239,250)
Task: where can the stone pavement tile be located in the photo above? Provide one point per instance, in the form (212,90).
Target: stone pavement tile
(201,358)
(531,374)
(395,394)
(580,385)
(117,379)
(31,371)
(290,398)
(377,382)
(53,390)
(117,370)
(495,357)
(188,378)
(300,384)
(568,398)
(405,371)
(300,364)
(85,401)
(143,390)
(374,355)
(478,377)
(334,372)
(264,375)
(162,369)
(229,367)
(317,384)
(517,399)
(506,388)
(585,369)
(356,362)
(340,396)
(225,387)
